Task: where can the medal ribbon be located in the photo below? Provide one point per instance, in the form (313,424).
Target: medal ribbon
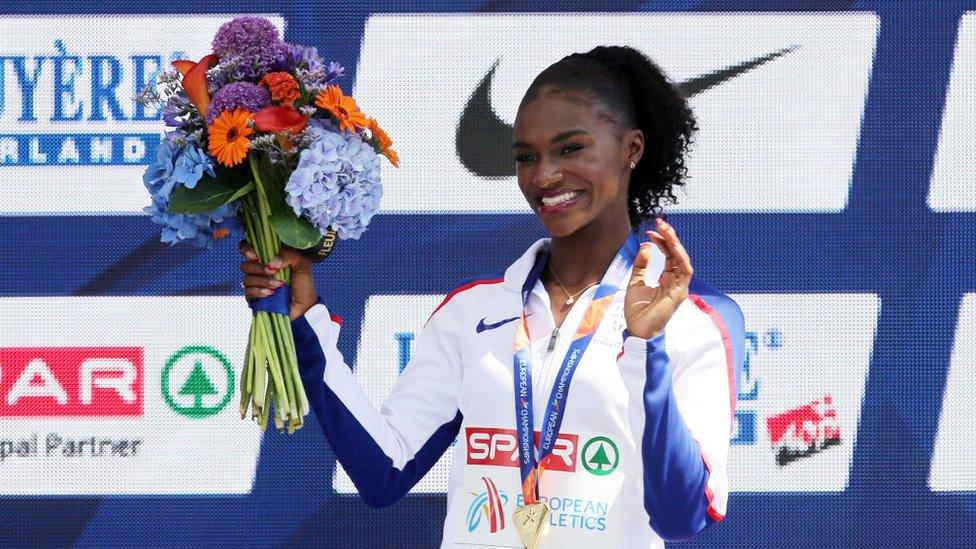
(531,466)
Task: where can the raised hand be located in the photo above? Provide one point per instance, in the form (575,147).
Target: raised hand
(648,309)
(260,278)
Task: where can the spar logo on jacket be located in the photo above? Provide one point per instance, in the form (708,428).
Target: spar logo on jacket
(498,447)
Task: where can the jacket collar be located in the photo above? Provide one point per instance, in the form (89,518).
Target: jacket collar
(517,272)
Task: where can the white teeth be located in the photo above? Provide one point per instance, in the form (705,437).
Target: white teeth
(559,199)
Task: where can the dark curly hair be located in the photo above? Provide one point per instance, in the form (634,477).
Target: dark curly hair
(635,93)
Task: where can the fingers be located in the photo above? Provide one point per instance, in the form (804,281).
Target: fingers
(641,262)
(680,257)
(677,272)
(257,268)
(247,251)
(292,258)
(256,292)
(262,282)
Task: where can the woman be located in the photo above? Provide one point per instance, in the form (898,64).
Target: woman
(639,453)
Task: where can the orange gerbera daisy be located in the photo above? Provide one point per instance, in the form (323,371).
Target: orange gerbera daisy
(383,142)
(342,107)
(227,137)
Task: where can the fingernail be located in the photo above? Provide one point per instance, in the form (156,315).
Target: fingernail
(275,263)
(277,283)
(252,256)
(265,291)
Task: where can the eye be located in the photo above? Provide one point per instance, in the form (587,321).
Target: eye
(571,148)
(523,158)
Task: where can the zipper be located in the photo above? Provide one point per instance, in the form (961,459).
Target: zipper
(552,339)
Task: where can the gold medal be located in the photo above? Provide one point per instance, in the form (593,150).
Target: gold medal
(531,523)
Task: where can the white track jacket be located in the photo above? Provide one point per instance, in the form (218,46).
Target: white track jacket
(642,453)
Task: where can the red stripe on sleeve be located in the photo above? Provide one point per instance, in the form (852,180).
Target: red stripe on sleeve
(726,342)
(460,289)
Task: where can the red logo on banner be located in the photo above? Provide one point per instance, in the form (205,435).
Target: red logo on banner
(70,381)
(489,446)
(804,431)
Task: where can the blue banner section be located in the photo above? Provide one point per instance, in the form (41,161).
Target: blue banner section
(887,241)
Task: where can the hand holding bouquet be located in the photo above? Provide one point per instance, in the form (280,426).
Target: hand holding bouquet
(261,138)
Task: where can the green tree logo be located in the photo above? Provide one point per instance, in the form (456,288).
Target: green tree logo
(600,456)
(198,383)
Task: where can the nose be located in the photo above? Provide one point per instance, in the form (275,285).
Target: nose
(547,175)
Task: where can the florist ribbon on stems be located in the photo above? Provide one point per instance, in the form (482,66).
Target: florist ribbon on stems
(271,346)
(278,302)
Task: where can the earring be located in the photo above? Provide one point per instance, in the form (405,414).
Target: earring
(633,164)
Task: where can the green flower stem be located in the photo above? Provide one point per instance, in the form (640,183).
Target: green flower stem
(286,373)
(271,346)
(282,407)
(302,398)
(260,380)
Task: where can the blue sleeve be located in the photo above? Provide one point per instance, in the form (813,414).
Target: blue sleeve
(675,476)
(381,474)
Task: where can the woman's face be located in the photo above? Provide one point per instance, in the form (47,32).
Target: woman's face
(573,163)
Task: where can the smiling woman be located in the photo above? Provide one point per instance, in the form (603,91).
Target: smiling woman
(639,454)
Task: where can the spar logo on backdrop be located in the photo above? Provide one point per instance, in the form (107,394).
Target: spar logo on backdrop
(97,400)
(756,82)
(197,381)
(68,120)
(802,383)
(71,381)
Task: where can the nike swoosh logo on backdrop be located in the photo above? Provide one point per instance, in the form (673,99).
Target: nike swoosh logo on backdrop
(482,326)
(482,138)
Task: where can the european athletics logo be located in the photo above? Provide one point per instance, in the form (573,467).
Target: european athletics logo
(489,504)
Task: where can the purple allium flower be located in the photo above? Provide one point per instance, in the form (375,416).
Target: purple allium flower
(245,36)
(252,44)
(239,95)
(160,179)
(336,183)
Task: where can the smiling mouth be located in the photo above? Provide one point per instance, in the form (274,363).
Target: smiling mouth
(554,201)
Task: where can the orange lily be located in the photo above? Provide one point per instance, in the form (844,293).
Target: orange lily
(195,80)
(276,119)
(282,121)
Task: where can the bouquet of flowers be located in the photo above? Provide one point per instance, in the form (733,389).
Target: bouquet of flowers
(261,139)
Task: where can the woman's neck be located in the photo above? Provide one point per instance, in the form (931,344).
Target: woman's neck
(583,257)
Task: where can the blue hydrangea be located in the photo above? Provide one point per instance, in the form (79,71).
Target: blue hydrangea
(191,165)
(337,182)
(182,165)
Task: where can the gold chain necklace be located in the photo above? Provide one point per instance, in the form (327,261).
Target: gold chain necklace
(572,297)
